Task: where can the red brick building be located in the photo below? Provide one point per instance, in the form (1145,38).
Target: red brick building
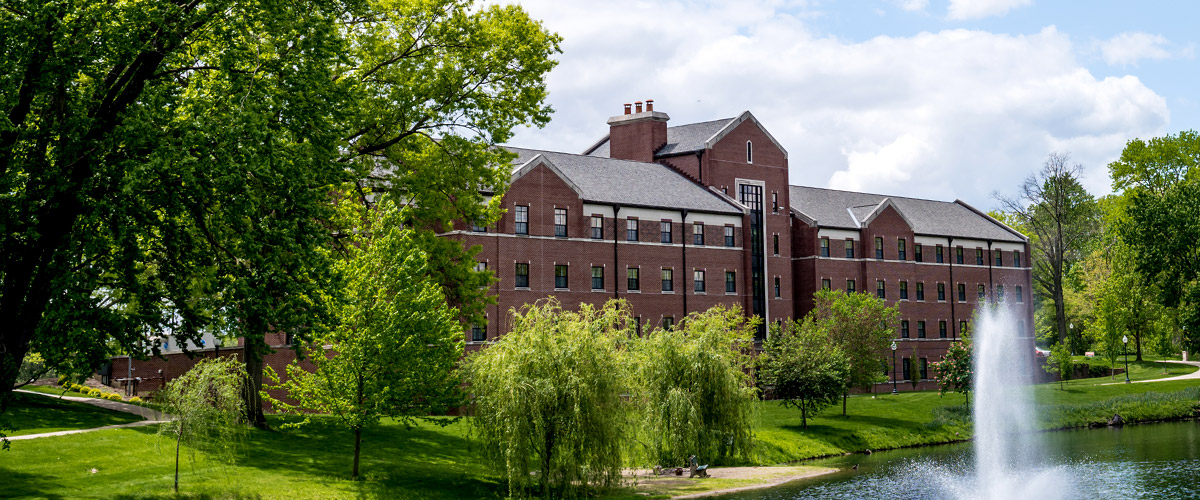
(678,219)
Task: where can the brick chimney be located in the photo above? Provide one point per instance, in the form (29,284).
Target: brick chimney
(637,134)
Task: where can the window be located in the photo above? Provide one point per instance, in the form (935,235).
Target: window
(962,292)
(288,338)
(941,292)
(728,236)
(631,275)
(904,363)
(824,247)
(560,276)
(982,292)
(879,248)
(1016,258)
(937,251)
(999,293)
(560,222)
(903,290)
(849,249)
(901,249)
(849,286)
(999,258)
(522,272)
(924,368)
(631,229)
(698,233)
(597,227)
(774,202)
(921,329)
(917,252)
(749,152)
(668,280)
(477,228)
(522,218)
(920,291)
(1019,297)
(668,322)
(826,284)
(958,255)
(480,267)
(942,329)
(731,282)
(698,281)
(664,231)
(776,242)
(880,289)
(597,277)
(777,295)
(904,328)
(478,333)
(962,328)
(979,256)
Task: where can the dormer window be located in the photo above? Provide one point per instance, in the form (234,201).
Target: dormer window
(749,152)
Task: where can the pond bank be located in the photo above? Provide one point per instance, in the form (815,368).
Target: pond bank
(721,480)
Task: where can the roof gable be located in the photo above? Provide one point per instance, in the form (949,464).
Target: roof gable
(692,137)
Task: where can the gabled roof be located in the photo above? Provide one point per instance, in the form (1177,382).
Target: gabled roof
(692,137)
(850,210)
(623,182)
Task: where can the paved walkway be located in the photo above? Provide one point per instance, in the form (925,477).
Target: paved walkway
(152,416)
(1190,376)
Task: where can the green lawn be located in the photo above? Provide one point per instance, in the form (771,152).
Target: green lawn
(33,414)
(55,390)
(1149,369)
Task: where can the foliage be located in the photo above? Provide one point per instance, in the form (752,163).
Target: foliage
(32,368)
(861,326)
(1062,217)
(394,351)
(1059,362)
(205,408)
(914,369)
(694,388)
(803,369)
(954,371)
(549,398)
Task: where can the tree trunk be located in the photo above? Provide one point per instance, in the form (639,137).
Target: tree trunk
(178,440)
(1060,309)
(357,448)
(254,372)
(845,395)
(803,417)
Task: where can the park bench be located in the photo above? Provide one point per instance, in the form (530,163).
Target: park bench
(697,470)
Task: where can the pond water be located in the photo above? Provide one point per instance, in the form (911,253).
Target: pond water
(1134,462)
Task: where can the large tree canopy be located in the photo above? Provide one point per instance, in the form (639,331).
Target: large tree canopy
(167,166)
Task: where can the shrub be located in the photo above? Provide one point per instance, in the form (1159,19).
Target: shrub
(112,396)
(135,400)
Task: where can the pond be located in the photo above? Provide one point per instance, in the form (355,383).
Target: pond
(1137,461)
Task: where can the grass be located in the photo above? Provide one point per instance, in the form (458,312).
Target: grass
(33,414)
(1149,369)
(55,390)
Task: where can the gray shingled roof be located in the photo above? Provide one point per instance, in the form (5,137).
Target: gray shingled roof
(832,208)
(680,139)
(631,183)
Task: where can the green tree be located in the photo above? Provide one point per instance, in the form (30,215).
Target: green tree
(862,326)
(694,387)
(205,408)
(803,369)
(394,351)
(954,371)
(549,399)
(1059,362)
(1062,217)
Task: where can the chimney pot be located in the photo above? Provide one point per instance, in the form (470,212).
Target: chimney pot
(627,106)
(638,106)
(649,104)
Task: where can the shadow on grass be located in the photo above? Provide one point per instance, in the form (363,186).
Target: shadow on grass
(23,485)
(31,413)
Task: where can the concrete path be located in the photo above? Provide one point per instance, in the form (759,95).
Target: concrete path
(1191,376)
(152,416)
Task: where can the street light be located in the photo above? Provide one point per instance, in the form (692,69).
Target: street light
(1125,342)
(894,391)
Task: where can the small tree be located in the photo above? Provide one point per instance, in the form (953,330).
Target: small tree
(861,325)
(953,372)
(550,401)
(205,408)
(394,352)
(914,369)
(1059,362)
(694,387)
(804,369)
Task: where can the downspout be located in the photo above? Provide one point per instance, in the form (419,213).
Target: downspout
(684,233)
(616,271)
(953,317)
(991,281)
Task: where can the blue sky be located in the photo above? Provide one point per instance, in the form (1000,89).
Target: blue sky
(952,99)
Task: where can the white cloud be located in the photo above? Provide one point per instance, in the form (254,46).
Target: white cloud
(1130,47)
(953,114)
(960,10)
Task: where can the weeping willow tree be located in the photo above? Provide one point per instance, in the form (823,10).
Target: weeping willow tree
(206,408)
(548,399)
(694,388)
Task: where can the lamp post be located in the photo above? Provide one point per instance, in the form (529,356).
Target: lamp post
(894,391)
(1125,342)
(1070,328)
